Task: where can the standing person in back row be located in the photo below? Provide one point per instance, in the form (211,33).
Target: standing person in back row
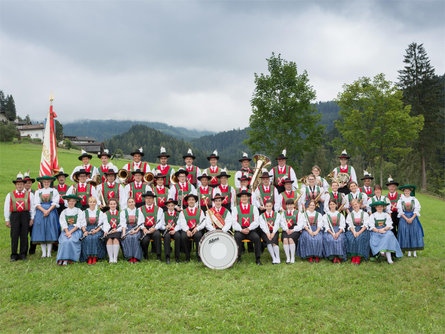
(193,171)
(104,157)
(19,215)
(367,187)
(344,168)
(137,163)
(213,170)
(245,170)
(280,171)
(163,167)
(86,166)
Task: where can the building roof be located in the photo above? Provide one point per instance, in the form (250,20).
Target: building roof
(31,127)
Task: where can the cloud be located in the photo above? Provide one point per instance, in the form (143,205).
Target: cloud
(192,63)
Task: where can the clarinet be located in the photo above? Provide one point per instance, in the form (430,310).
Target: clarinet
(84,236)
(105,236)
(144,234)
(131,229)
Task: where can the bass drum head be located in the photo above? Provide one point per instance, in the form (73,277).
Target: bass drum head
(218,250)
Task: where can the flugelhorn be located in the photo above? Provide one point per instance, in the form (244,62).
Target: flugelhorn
(174,179)
(95,181)
(261,161)
(149,177)
(124,175)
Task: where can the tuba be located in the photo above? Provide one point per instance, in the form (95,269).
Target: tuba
(123,175)
(149,177)
(261,161)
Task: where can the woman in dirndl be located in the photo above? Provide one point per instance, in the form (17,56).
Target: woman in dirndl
(131,246)
(310,245)
(410,230)
(334,246)
(71,221)
(93,247)
(382,239)
(357,236)
(312,192)
(46,228)
(113,230)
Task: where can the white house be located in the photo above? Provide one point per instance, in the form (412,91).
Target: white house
(33,131)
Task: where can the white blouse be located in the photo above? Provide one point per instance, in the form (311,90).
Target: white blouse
(408,199)
(356,214)
(341,224)
(302,223)
(106,224)
(46,191)
(72,212)
(379,216)
(382,198)
(123,216)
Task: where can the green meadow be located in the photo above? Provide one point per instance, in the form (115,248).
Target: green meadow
(39,297)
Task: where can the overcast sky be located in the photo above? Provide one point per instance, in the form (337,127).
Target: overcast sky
(192,63)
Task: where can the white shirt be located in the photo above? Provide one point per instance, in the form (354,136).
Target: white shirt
(253,224)
(356,196)
(382,198)
(219,188)
(327,198)
(183,222)
(142,165)
(127,188)
(160,220)
(265,227)
(257,201)
(379,216)
(70,191)
(106,224)
(293,177)
(93,171)
(72,212)
(227,220)
(46,191)
(122,194)
(408,199)
(123,216)
(7,207)
(341,224)
(357,214)
(302,223)
(284,222)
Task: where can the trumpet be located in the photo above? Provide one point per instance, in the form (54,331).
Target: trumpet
(149,177)
(123,175)
(298,198)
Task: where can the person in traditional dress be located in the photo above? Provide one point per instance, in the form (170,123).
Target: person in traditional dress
(335,195)
(410,234)
(160,190)
(270,222)
(72,219)
(245,221)
(393,197)
(312,192)
(204,192)
(192,220)
(104,157)
(290,230)
(213,170)
(82,189)
(218,211)
(137,188)
(319,180)
(163,167)
(131,247)
(357,236)
(382,240)
(112,227)
(266,191)
(181,189)
(355,193)
(367,187)
(224,189)
(112,189)
(85,158)
(377,190)
(280,171)
(46,220)
(151,218)
(19,211)
(310,245)
(137,163)
(62,189)
(288,193)
(344,168)
(244,182)
(28,187)
(93,247)
(173,231)
(194,172)
(244,170)
(334,245)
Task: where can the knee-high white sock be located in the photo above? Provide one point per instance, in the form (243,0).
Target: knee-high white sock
(415,253)
(116,252)
(43,249)
(388,257)
(287,252)
(409,253)
(110,253)
(277,253)
(292,252)
(270,249)
(49,248)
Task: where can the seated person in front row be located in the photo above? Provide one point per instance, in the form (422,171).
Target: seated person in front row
(270,222)
(218,217)
(173,231)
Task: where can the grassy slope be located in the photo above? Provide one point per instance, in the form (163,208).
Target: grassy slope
(37,295)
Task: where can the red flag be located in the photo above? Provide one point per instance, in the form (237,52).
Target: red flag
(49,164)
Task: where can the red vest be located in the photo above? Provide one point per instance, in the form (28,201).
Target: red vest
(62,189)
(19,202)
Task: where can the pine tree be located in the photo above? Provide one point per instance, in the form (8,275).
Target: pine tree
(10,108)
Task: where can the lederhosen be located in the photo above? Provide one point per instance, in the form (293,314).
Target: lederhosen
(179,236)
(136,193)
(227,201)
(167,171)
(84,194)
(345,190)
(245,218)
(114,221)
(394,213)
(270,222)
(214,181)
(291,221)
(161,197)
(204,198)
(278,177)
(20,207)
(151,218)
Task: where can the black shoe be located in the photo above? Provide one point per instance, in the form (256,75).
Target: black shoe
(22,257)
(239,259)
(158,257)
(14,258)
(177,260)
(32,249)
(198,259)
(258,262)
(187,259)
(55,247)
(167,260)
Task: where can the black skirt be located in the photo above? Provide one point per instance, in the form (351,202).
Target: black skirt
(115,235)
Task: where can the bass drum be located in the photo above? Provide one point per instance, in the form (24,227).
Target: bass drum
(218,250)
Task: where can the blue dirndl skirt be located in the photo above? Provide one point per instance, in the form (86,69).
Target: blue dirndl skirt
(385,242)
(131,246)
(358,246)
(69,248)
(92,245)
(410,235)
(332,247)
(309,246)
(45,229)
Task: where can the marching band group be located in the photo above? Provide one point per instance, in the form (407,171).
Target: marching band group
(107,210)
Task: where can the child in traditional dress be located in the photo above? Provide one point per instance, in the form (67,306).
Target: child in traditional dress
(113,230)
(357,236)
(291,230)
(93,247)
(270,222)
(334,247)
(310,245)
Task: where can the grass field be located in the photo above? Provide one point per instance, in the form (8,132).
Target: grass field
(38,296)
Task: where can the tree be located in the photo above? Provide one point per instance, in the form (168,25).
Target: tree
(423,90)
(375,122)
(7,132)
(28,119)
(9,107)
(282,113)
(59,131)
